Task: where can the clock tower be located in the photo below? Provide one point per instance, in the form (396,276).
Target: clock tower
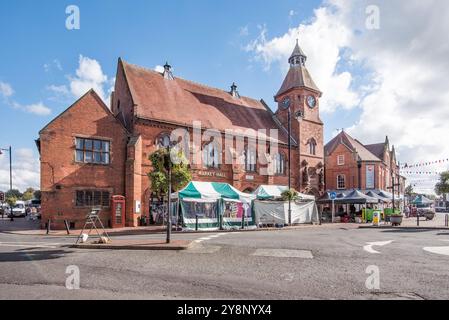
(300,94)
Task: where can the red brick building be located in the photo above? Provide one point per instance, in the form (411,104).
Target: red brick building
(352,165)
(146,106)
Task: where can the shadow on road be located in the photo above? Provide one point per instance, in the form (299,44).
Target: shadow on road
(31,255)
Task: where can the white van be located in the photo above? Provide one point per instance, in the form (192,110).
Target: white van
(19,209)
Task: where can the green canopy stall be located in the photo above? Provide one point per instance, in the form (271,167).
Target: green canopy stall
(215,205)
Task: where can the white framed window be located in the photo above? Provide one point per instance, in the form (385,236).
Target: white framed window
(250,160)
(341,159)
(341,182)
(163,141)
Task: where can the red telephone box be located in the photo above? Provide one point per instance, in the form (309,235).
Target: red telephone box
(118,211)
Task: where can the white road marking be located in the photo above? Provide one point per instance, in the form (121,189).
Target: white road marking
(284,253)
(29,245)
(369,245)
(210,237)
(438,250)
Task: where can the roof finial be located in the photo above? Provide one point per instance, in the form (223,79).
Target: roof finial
(167,71)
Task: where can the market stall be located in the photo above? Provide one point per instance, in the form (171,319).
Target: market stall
(213,205)
(270,209)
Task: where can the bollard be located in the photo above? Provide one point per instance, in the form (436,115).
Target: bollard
(196,222)
(67,226)
(446,220)
(48,226)
(243,221)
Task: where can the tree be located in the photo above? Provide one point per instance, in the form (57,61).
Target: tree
(409,191)
(28,194)
(13,193)
(442,187)
(37,195)
(291,195)
(11,201)
(180,174)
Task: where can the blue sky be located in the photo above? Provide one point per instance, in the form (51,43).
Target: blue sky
(211,42)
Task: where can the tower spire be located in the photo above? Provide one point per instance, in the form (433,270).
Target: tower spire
(297,57)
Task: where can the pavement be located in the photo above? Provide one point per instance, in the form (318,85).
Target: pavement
(317,262)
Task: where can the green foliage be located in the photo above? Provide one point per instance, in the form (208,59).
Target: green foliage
(13,193)
(28,194)
(180,174)
(11,200)
(291,195)
(442,186)
(409,191)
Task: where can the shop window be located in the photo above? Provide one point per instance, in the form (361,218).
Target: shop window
(279,164)
(341,182)
(92,198)
(92,151)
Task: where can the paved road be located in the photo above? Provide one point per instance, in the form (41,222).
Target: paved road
(315,263)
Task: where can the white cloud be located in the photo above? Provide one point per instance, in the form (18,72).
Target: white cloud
(6,89)
(36,108)
(26,170)
(159,68)
(55,63)
(402,88)
(89,75)
(58,89)
(323,40)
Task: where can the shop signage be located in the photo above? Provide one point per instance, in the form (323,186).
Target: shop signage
(249,177)
(212,174)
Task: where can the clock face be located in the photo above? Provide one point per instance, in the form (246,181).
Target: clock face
(311,101)
(286,103)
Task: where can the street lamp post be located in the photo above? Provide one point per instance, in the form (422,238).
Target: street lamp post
(289,165)
(10,175)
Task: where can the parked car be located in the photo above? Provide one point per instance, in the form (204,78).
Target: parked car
(19,209)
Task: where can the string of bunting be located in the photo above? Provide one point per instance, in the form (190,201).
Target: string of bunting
(422,172)
(424,164)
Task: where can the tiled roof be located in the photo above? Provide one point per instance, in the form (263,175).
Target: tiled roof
(182,102)
(298,77)
(353,144)
(377,149)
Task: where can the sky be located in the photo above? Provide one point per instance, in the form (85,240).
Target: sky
(383,71)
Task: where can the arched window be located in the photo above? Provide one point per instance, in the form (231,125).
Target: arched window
(163,141)
(279,164)
(341,182)
(250,160)
(211,155)
(312,146)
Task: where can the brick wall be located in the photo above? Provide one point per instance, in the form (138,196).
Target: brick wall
(61,176)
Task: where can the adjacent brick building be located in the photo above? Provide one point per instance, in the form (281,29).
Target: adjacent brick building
(146,106)
(352,165)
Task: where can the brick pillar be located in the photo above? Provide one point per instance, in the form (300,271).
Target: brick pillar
(133,181)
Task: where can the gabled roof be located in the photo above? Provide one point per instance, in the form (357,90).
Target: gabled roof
(354,145)
(182,102)
(298,77)
(92,93)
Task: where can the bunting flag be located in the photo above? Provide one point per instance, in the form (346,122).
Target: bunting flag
(424,163)
(422,172)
